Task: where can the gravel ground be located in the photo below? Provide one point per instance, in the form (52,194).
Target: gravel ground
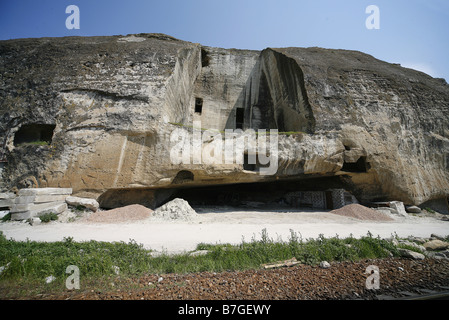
(362,213)
(398,278)
(134,212)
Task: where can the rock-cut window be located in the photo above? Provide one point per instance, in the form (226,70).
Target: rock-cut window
(198,105)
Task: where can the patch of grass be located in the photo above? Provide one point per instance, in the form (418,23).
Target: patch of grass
(47,217)
(6,217)
(34,143)
(31,261)
(36,260)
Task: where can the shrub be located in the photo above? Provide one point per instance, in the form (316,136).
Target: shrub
(47,217)
(7,217)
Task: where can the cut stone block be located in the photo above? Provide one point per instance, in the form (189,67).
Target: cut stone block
(50,198)
(32,206)
(50,208)
(399,207)
(91,204)
(6,203)
(40,199)
(45,191)
(24,199)
(7,195)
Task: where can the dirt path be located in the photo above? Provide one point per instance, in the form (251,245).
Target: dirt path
(224,225)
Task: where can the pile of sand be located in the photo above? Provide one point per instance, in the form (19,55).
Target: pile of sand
(360,212)
(124,214)
(177,209)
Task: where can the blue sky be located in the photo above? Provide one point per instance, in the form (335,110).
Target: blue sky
(414,33)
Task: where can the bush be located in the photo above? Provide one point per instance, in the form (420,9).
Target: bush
(47,217)
(7,217)
(32,260)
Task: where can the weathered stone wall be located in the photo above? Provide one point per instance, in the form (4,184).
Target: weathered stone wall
(222,80)
(114,101)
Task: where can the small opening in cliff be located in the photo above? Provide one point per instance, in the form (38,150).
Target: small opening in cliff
(38,134)
(247,164)
(360,166)
(198,105)
(239,118)
(318,193)
(204,58)
(183,177)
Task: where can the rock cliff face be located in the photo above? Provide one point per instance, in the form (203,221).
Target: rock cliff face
(96,114)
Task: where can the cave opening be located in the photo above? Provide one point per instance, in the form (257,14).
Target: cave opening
(183,176)
(198,105)
(239,118)
(34,134)
(318,193)
(248,162)
(360,166)
(205,59)
(295,193)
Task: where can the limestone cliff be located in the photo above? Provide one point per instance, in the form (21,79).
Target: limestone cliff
(96,113)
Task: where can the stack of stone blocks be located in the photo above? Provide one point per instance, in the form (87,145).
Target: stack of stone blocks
(6,202)
(317,199)
(34,202)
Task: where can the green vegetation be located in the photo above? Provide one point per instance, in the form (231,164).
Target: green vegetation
(48,217)
(34,143)
(27,263)
(36,260)
(7,217)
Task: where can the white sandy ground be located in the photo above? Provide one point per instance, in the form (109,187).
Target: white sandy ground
(225,225)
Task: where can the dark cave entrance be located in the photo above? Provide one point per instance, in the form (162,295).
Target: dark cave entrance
(265,193)
(239,118)
(319,193)
(34,133)
(198,105)
(359,166)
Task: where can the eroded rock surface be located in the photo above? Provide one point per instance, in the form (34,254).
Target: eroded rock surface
(95,114)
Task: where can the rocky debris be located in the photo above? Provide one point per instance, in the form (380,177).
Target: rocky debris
(279,264)
(434,236)
(438,254)
(427,247)
(198,253)
(177,209)
(436,245)
(418,240)
(116,270)
(413,209)
(361,212)
(67,216)
(3,268)
(34,202)
(411,254)
(325,265)
(35,221)
(90,204)
(398,207)
(345,280)
(129,213)
(413,244)
(50,279)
